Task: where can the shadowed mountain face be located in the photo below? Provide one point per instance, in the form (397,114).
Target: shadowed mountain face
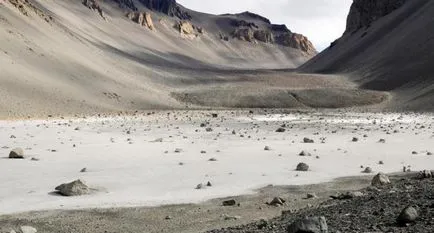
(387,46)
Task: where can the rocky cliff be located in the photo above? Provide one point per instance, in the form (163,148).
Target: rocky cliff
(364,12)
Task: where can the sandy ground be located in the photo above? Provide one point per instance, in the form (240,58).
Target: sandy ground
(130,169)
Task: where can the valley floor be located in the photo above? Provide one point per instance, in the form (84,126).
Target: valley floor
(154,159)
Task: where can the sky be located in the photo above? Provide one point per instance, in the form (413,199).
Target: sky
(322,21)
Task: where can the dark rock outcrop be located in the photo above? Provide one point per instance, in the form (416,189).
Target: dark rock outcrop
(168,7)
(365,12)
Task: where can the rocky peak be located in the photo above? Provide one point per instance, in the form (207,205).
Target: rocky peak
(364,12)
(168,7)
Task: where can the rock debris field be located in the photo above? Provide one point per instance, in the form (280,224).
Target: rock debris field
(174,157)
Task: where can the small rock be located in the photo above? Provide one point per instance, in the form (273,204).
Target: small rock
(311,196)
(309,225)
(414,153)
(381,162)
(75,188)
(367,170)
(355,139)
(212,159)
(277,201)
(267,148)
(16,153)
(408,215)
(231,202)
(208,129)
(209,184)
(428,153)
(230,217)
(308,140)
(168,217)
(83,170)
(382,141)
(280,130)
(178,150)
(304,153)
(34,159)
(380,179)
(199,186)
(302,167)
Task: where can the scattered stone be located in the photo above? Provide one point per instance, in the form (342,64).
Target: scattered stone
(262,224)
(199,186)
(214,115)
(230,217)
(311,196)
(158,140)
(34,159)
(414,153)
(212,160)
(277,201)
(168,217)
(280,130)
(309,225)
(381,162)
(355,139)
(304,153)
(367,170)
(75,188)
(28,229)
(347,195)
(380,179)
(408,215)
(178,150)
(83,170)
(16,153)
(308,140)
(428,153)
(203,152)
(231,202)
(302,167)
(267,148)
(209,129)
(382,140)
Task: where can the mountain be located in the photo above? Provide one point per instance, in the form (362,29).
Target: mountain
(113,55)
(388,46)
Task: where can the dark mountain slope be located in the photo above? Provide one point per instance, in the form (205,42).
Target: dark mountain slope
(388,45)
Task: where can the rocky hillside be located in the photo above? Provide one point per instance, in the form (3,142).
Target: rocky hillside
(386,46)
(92,56)
(246,26)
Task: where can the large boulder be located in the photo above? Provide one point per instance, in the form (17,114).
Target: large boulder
(407,215)
(28,229)
(303,167)
(16,153)
(309,225)
(380,179)
(75,188)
